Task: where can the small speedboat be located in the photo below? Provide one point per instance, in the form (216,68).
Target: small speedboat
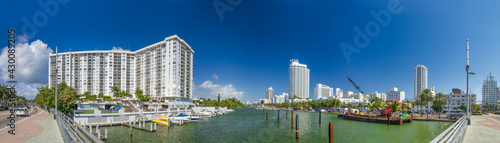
(195,118)
(230,110)
(163,120)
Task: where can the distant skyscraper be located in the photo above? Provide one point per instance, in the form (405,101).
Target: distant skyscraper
(420,82)
(394,94)
(338,92)
(491,92)
(322,91)
(298,80)
(270,93)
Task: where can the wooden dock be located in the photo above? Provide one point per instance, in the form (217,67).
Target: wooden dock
(151,127)
(382,120)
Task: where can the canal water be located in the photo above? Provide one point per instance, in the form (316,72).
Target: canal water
(250,125)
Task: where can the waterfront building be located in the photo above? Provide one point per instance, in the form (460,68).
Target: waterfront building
(347,94)
(456,98)
(322,91)
(358,96)
(420,80)
(280,98)
(338,92)
(298,79)
(490,91)
(382,96)
(264,101)
(394,94)
(270,93)
(163,70)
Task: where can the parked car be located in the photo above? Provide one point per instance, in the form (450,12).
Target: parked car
(22,112)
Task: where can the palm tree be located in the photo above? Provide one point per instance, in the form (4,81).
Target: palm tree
(421,100)
(426,98)
(115,90)
(439,101)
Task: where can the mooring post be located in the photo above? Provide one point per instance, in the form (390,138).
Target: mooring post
(320,117)
(130,128)
(297,126)
(105,134)
(98,134)
(330,131)
(143,123)
(266,115)
(90,128)
(151,127)
(97,128)
(278,115)
(155,126)
(411,119)
(388,120)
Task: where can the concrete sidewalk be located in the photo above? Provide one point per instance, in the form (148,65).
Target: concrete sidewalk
(483,129)
(40,128)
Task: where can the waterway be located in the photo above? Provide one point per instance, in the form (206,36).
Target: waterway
(250,125)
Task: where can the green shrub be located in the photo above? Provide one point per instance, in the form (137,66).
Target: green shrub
(163,101)
(155,100)
(126,106)
(477,113)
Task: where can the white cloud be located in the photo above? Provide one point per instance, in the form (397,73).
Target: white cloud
(227,91)
(215,76)
(29,91)
(23,38)
(117,48)
(31,62)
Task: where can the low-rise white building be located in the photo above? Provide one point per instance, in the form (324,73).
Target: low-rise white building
(394,94)
(322,91)
(382,96)
(455,99)
(280,98)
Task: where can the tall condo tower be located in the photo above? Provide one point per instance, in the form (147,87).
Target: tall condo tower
(163,70)
(420,82)
(269,93)
(298,81)
(490,92)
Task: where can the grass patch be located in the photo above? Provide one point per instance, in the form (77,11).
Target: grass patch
(107,112)
(477,113)
(126,106)
(84,112)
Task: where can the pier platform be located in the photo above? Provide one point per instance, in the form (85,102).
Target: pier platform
(382,120)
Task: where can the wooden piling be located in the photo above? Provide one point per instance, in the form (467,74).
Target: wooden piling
(388,120)
(278,115)
(155,126)
(105,134)
(320,117)
(411,119)
(130,123)
(297,126)
(266,115)
(330,131)
(151,127)
(140,125)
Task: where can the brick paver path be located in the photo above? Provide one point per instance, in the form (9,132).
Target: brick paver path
(483,129)
(40,128)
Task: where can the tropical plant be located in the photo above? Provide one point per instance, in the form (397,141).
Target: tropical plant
(439,102)
(115,90)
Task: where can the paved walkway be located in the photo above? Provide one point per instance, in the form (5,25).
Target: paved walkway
(483,129)
(40,128)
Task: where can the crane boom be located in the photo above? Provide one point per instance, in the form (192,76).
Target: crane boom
(359,89)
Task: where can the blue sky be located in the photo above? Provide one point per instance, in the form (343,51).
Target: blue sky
(251,47)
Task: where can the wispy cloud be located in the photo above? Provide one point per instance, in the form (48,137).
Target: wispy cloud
(117,48)
(215,76)
(227,91)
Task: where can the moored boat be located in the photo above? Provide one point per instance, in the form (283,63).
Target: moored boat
(163,120)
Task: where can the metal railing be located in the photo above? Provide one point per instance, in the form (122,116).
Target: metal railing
(73,132)
(455,133)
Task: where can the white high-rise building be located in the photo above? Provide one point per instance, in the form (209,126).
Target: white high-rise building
(281,98)
(394,94)
(420,80)
(298,81)
(382,96)
(338,92)
(491,93)
(322,91)
(270,93)
(163,70)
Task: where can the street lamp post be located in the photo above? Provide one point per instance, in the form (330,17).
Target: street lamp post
(55,110)
(472,73)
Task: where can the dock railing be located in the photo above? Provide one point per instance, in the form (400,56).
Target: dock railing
(455,133)
(73,132)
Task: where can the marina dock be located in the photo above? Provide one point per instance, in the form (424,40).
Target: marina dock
(382,120)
